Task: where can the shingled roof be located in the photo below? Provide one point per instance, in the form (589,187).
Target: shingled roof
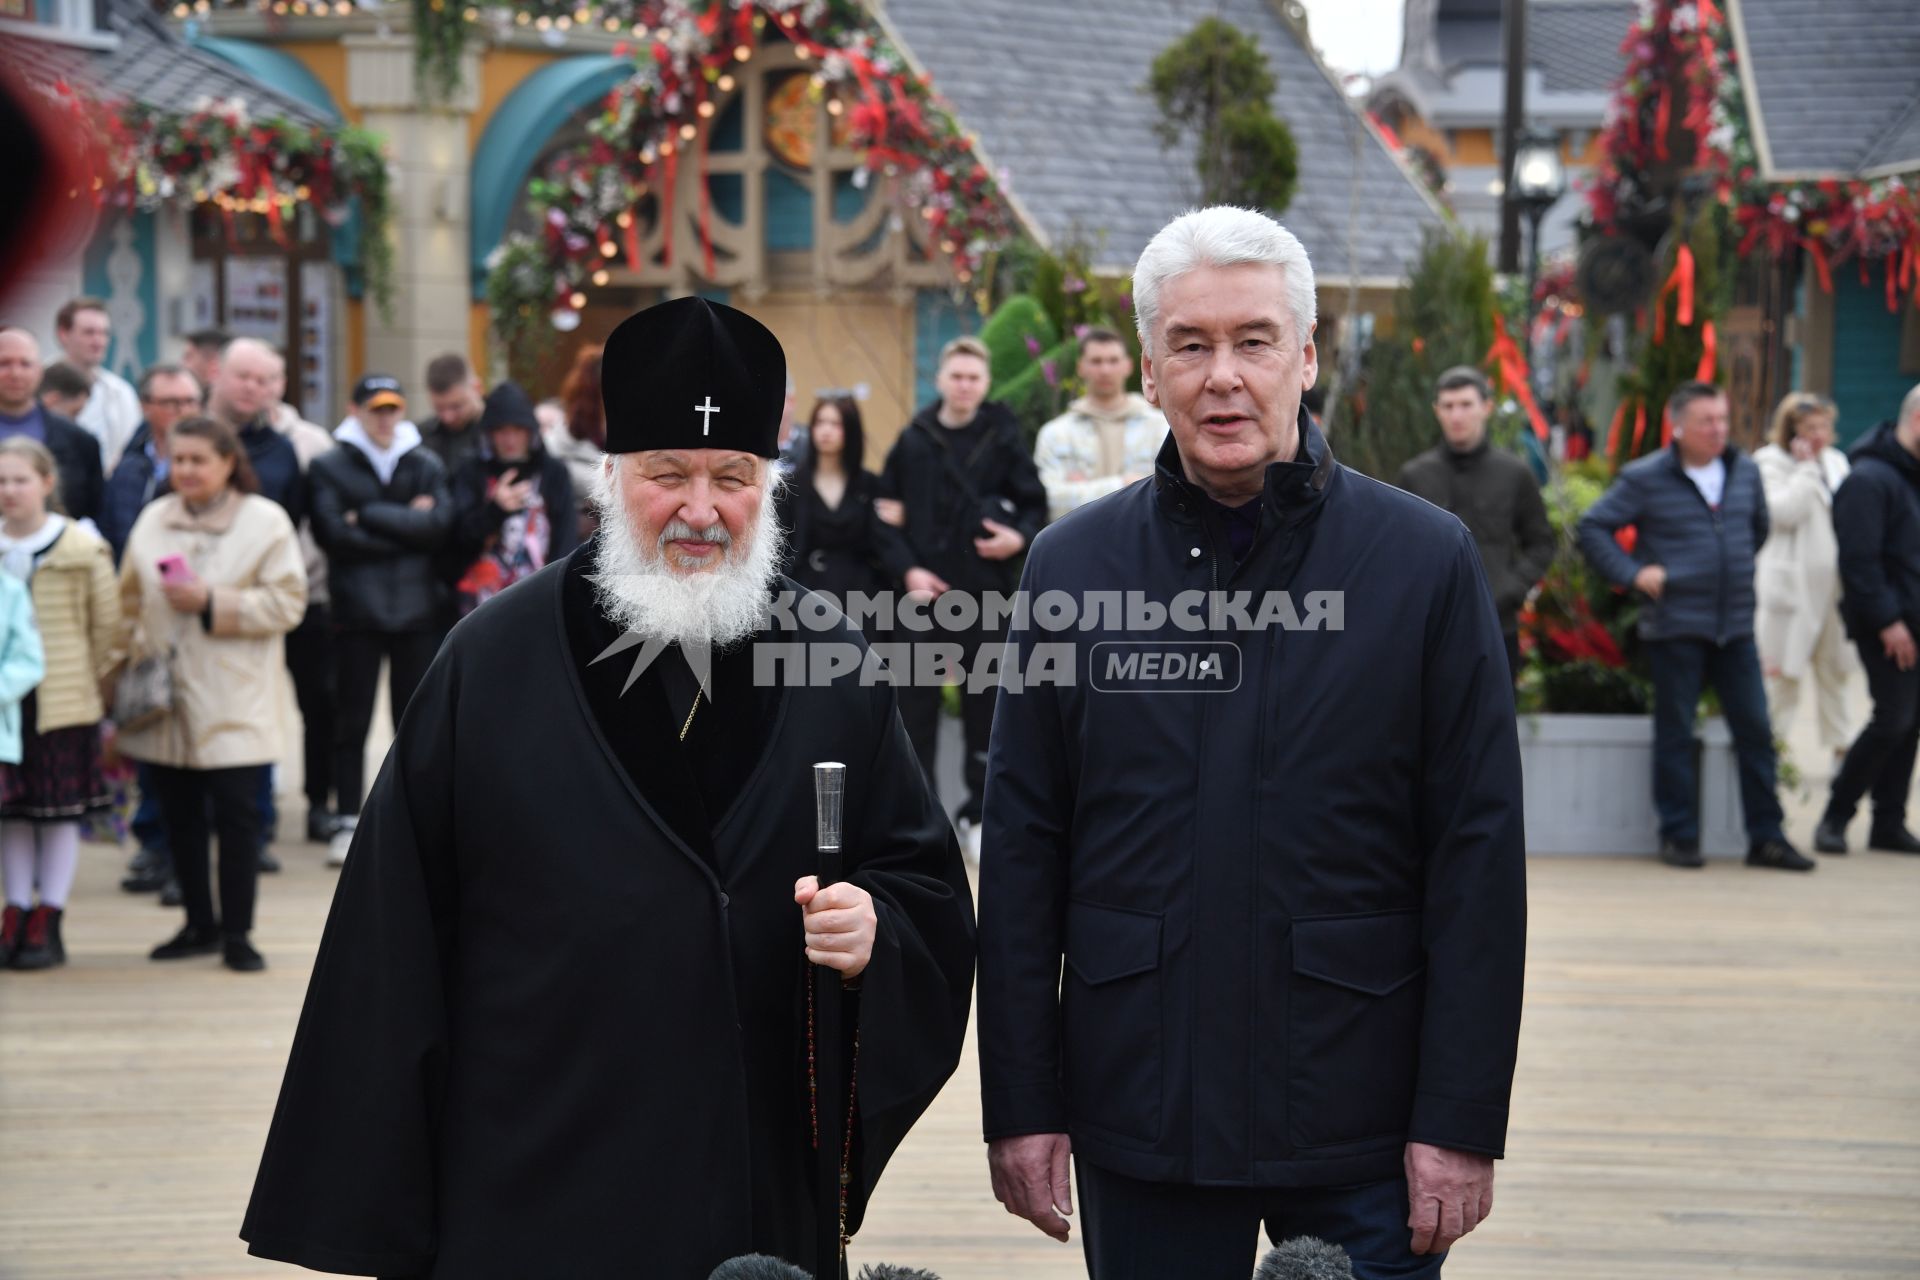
(150,64)
(1830,88)
(1055,89)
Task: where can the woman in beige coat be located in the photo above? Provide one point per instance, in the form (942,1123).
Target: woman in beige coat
(69,572)
(212,573)
(1797,576)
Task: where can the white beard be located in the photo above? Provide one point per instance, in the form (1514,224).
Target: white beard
(641,593)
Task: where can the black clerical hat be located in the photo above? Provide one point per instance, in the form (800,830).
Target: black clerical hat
(693,374)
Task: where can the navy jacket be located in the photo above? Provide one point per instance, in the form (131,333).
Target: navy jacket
(1708,554)
(135,482)
(277,467)
(1876,518)
(1292,902)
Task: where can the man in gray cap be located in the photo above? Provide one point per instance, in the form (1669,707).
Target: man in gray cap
(559,1024)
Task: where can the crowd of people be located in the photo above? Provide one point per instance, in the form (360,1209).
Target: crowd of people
(197,531)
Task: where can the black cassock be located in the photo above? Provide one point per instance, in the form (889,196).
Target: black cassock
(557,1025)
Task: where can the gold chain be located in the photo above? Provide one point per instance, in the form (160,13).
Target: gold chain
(690,710)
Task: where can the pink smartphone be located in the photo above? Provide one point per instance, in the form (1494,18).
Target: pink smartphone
(173,569)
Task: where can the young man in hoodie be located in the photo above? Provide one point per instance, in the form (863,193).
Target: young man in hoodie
(1876,521)
(962,486)
(1107,439)
(513,504)
(381,511)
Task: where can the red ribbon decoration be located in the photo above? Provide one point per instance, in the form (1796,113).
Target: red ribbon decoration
(1613,432)
(1513,371)
(1662,121)
(1709,353)
(1639,426)
(1683,273)
(668,207)
(1893,284)
(1820,267)
(1666,428)
(630,237)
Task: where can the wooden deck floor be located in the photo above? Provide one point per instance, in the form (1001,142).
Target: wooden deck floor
(1720,1076)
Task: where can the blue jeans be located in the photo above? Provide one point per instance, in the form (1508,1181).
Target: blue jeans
(1681,669)
(146,825)
(1135,1230)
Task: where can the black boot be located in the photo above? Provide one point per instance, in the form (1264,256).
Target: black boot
(1893,840)
(239,955)
(1779,855)
(1830,836)
(269,865)
(320,825)
(13,923)
(1681,853)
(148,871)
(170,895)
(36,946)
(188,942)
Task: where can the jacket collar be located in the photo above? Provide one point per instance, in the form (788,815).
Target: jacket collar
(217,518)
(1293,489)
(1731,455)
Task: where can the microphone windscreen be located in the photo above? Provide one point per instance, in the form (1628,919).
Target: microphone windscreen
(758,1266)
(887,1271)
(1305,1258)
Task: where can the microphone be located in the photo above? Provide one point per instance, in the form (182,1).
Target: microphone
(1305,1258)
(758,1266)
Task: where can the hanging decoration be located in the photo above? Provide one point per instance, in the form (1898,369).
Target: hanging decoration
(1682,87)
(217,154)
(651,134)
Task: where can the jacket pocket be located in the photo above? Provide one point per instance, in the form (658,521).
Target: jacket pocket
(1111,1014)
(1353,1027)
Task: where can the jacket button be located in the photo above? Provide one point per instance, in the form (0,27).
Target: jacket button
(724,901)
(1195,553)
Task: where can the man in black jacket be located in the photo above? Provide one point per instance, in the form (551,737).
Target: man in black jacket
(513,505)
(1493,493)
(1701,515)
(76,455)
(1272,823)
(381,511)
(1876,519)
(962,485)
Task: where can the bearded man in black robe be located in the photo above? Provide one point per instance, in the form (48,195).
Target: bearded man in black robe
(559,1024)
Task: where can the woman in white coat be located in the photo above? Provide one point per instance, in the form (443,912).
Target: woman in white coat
(1797,579)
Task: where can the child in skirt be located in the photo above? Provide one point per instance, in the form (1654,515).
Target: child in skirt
(68,570)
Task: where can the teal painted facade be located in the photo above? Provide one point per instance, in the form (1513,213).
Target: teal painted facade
(1867,380)
(97,277)
(274,67)
(518,131)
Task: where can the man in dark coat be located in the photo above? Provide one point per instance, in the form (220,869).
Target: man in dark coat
(559,1023)
(513,504)
(1493,493)
(76,455)
(1701,514)
(1876,520)
(381,512)
(1272,824)
(962,484)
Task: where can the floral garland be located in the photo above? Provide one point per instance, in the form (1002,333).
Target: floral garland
(1682,69)
(655,120)
(218,154)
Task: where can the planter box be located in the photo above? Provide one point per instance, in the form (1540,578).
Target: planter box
(1589,786)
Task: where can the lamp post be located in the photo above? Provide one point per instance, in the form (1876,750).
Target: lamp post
(1539,180)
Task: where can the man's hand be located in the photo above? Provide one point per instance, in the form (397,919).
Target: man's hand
(421,502)
(1449,1193)
(186,597)
(1898,643)
(512,494)
(1004,543)
(1652,580)
(925,582)
(840,924)
(1802,449)
(891,511)
(1032,1178)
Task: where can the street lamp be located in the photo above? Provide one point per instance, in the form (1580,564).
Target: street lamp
(1539,180)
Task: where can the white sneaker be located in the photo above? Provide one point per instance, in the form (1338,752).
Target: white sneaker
(341,841)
